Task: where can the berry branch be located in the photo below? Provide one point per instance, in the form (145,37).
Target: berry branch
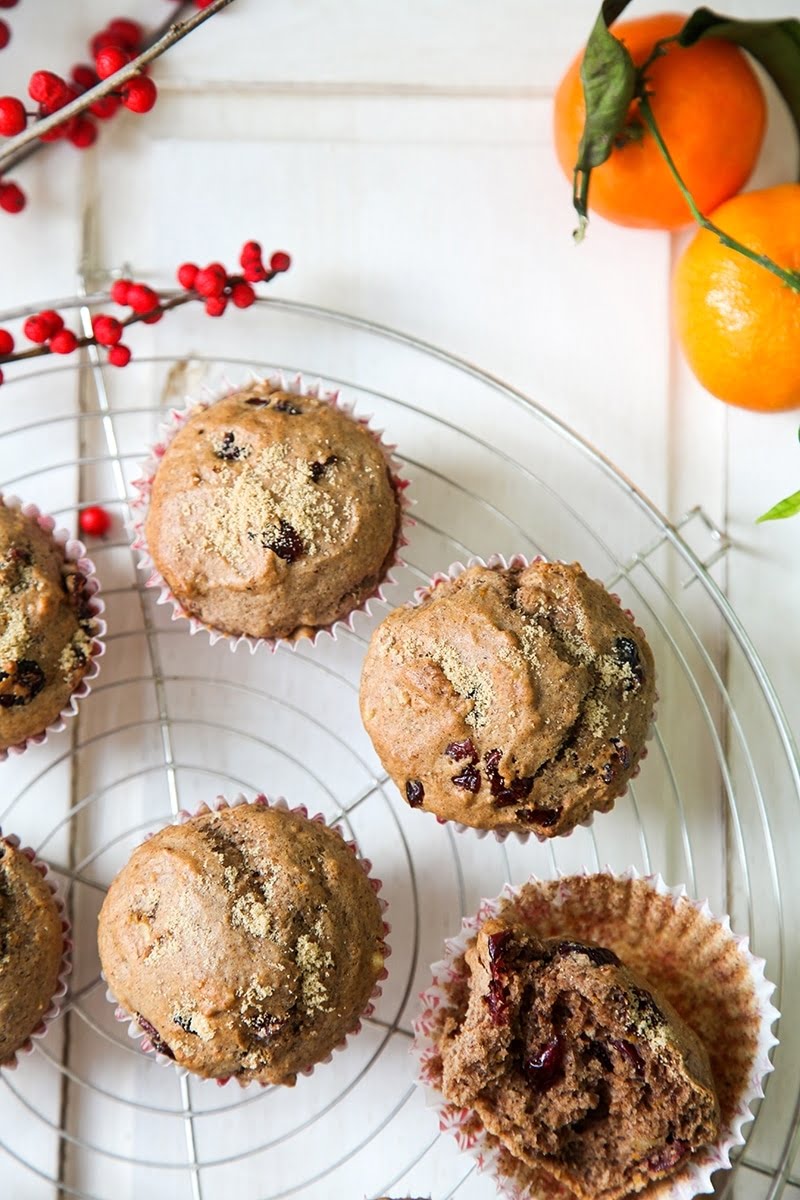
(213,285)
(118,77)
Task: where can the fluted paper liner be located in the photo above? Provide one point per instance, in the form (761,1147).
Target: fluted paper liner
(60,992)
(693,958)
(141,1035)
(176,419)
(500,562)
(74,551)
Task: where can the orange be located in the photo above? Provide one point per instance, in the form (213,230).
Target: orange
(738,324)
(710,110)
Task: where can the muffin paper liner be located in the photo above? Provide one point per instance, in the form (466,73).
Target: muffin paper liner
(74,552)
(717,985)
(141,1035)
(54,1010)
(500,562)
(176,419)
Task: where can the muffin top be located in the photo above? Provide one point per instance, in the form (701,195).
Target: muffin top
(272,514)
(512,697)
(246,942)
(31,948)
(575,1063)
(46,628)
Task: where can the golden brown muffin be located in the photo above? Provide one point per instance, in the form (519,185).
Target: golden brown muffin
(510,698)
(576,1064)
(272,514)
(46,628)
(246,942)
(31,948)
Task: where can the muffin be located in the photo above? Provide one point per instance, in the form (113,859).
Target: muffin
(576,1064)
(31,948)
(596,1036)
(46,628)
(245,942)
(272,514)
(512,697)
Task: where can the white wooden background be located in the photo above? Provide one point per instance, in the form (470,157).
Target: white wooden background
(402,153)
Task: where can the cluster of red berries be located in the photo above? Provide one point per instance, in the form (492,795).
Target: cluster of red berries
(5,32)
(217,287)
(212,284)
(112,49)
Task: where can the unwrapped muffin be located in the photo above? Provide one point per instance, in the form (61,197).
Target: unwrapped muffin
(272,514)
(246,942)
(31,948)
(576,1064)
(47,627)
(512,697)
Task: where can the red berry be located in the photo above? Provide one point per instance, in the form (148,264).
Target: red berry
(49,90)
(128,32)
(140,94)
(54,320)
(13,118)
(251,252)
(63,342)
(119,291)
(202,3)
(119,356)
(95,521)
(12,198)
(153,319)
(254,272)
(104,39)
(105,107)
(109,60)
(280,261)
(36,329)
(83,76)
(8,3)
(211,280)
(107,330)
(5,35)
(216,305)
(242,295)
(83,133)
(187,273)
(141,298)
(6,342)
(2,376)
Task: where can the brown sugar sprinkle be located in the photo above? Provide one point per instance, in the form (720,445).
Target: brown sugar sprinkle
(313,962)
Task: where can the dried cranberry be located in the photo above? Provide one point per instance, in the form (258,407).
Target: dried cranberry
(317,469)
(648,1007)
(415,792)
(627,652)
(504,793)
(668,1157)
(599,955)
(265,1025)
(496,1000)
(256,401)
(491,758)
(155,1037)
(538,816)
(286,406)
(623,752)
(545,1067)
(16,555)
(469,779)
(286,543)
(458,751)
(184,1022)
(227,448)
(631,1053)
(607,772)
(20,683)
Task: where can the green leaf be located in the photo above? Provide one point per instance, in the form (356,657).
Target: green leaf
(609,79)
(775,44)
(789,507)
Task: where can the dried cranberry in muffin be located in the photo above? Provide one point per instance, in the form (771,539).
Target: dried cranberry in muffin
(515,698)
(272,515)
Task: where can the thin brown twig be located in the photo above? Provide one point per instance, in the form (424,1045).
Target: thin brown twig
(10,154)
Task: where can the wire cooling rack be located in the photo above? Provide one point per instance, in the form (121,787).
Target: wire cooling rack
(172,722)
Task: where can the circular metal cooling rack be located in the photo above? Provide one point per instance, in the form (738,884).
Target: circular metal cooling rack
(173,721)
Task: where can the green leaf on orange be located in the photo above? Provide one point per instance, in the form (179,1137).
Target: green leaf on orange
(775,44)
(609,80)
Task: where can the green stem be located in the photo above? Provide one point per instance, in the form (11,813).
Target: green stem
(790,278)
